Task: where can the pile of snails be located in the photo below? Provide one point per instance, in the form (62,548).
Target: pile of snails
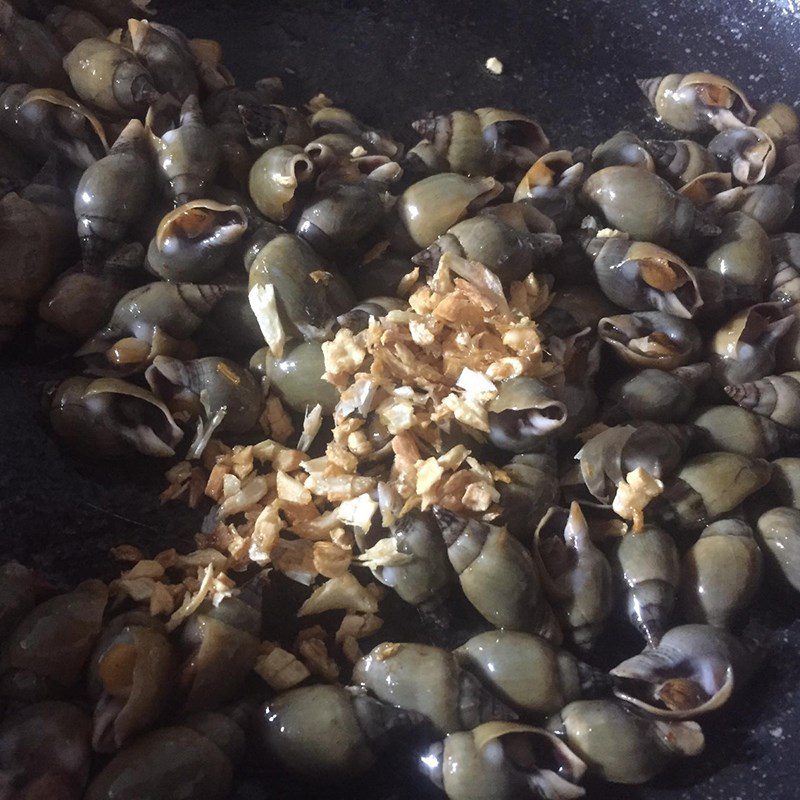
(144,197)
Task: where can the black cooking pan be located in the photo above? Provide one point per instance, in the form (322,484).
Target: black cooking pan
(569,64)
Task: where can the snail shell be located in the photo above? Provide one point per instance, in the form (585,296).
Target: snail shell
(639,275)
(581,363)
(332,120)
(297,376)
(693,671)
(108,417)
(522,413)
(713,192)
(214,76)
(110,77)
(623,148)
(620,744)
(236,157)
(785,253)
(533,488)
(46,747)
(779,121)
(655,394)
(274,179)
(131,673)
(220,645)
(648,566)
(743,349)
(771,204)
(609,456)
(779,535)
(788,350)
(428,680)
(55,639)
(708,487)
(505,249)
(645,206)
(741,253)
(187,153)
(166,52)
(682,160)
(527,672)
(379,170)
(424,160)
(749,151)
(357,318)
(32,243)
(427,577)
(775,396)
(44,121)
(504,761)
(497,574)
(324,733)
(193,241)
(551,186)
(458,139)
(523,217)
(697,101)
(720,574)
(154,319)
(113,192)
(309,295)
(429,207)
(330,148)
(268,126)
(78,302)
(575,574)
(514,141)
(192,760)
(737,430)
(207,388)
(341,217)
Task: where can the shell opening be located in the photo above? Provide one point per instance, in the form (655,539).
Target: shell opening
(529,752)
(200,220)
(116,669)
(662,274)
(518,133)
(548,764)
(716,95)
(609,329)
(167,379)
(685,688)
(144,425)
(519,424)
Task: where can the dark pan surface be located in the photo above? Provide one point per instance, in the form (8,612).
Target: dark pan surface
(569,64)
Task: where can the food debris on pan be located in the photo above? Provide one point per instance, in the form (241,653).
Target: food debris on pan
(512,391)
